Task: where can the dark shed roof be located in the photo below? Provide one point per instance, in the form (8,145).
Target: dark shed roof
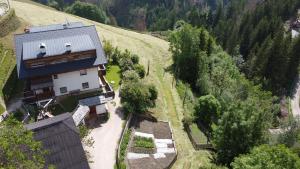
(60,137)
(74,34)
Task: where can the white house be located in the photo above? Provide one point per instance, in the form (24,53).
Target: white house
(60,59)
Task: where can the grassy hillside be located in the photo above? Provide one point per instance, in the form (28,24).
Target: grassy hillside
(150,49)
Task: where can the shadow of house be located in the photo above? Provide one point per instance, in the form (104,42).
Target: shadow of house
(60,137)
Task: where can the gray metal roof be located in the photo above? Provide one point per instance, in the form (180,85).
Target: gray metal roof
(54,27)
(56,46)
(90,31)
(60,137)
(92,101)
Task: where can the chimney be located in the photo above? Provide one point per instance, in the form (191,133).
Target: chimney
(68,47)
(42,48)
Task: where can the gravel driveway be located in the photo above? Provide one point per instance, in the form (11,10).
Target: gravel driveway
(103,152)
(295,102)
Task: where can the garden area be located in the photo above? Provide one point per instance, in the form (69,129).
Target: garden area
(113,75)
(147,143)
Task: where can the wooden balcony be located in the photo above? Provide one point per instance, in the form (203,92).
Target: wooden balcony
(31,97)
(108,90)
(102,70)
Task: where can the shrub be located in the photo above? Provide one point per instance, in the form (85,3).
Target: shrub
(18,115)
(140,70)
(123,145)
(130,75)
(108,49)
(89,11)
(135,59)
(115,56)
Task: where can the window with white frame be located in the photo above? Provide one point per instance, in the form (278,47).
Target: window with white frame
(63,90)
(83,72)
(85,85)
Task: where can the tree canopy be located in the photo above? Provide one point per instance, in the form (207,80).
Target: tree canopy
(268,157)
(87,10)
(18,149)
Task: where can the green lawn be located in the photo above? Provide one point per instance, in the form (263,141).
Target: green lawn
(197,134)
(113,73)
(56,109)
(69,103)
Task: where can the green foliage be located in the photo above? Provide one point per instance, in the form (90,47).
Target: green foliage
(291,133)
(135,59)
(190,61)
(143,142)
(130,76)
(241,128)
(140,70)
(123,145)
(268,157)
(247,111)
(18,115)
(207,110)
(83,131)
(18,148)
(137,97)
(108,49)
(89,11)
(8,73)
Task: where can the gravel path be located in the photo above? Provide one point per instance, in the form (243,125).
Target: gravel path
(106,138)
(295,102)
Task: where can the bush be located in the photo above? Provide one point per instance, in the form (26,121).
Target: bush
(108,49)
(135,59)
(89,11)
(136,97)
(115,56)
(130,75)
(18,115)
(123,145)
(140,70)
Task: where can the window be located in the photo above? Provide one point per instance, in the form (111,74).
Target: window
(55,77)
(63,90)
(85,85)
(83,72)
(59,61)
(38,64)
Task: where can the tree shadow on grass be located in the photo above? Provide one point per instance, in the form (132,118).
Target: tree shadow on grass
(13,87)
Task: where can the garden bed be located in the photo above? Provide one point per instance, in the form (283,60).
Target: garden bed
(197,137)
(157,130)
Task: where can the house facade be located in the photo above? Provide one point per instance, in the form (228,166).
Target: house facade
(61,59)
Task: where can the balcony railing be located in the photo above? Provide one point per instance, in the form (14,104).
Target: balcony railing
(31,97)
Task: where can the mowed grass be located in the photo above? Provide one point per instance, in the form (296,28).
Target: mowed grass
(197,134)
(113,74)
(150,49)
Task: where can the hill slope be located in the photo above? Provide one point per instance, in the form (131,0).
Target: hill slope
(149,49)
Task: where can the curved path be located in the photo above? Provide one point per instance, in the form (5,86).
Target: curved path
(295,102)
(102,154)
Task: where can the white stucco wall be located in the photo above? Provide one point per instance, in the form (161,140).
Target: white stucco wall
(73,81)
